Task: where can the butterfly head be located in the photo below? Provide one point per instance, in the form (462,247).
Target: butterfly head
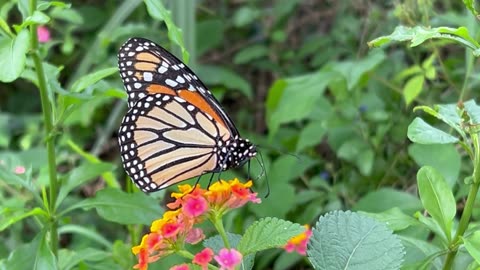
(236,152)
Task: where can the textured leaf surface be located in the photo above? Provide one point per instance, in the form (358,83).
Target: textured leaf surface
(268,233)
(346,240)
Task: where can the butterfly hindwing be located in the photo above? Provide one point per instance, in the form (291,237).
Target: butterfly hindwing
(164,140)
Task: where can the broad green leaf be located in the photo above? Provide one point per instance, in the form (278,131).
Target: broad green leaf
(419,34)
(17,259)
(67,14)
(85,233)
(13,54)
(215,75)
(421,132)
(432,226)
(280,109)
(68,259)
(45,5)
(472,244)
(268,233)
(413,88)
(421,254)
(473,111)
(157,10)
(311,135)
(470,4)
(448,113)
(394,218)
(245,15)
(9,216)
(358,152)
(209,34)
(250,53)
(346,240)
(44,256)
(38,17)
(437,197)
(124,208)
(80,175)
(390,198)
(216,243)
(353,71)
(445,158)
(91,79)
(122,253)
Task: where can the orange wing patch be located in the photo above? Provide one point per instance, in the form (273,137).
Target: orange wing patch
(145,66)
(149,57)
(199,101)
(160,89)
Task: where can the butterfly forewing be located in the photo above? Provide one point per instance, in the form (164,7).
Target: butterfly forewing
(147,68)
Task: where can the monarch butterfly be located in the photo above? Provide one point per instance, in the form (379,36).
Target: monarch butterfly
(174,129)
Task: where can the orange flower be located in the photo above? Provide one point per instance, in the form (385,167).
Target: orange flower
(299,242)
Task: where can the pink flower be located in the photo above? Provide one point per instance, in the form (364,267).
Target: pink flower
(203,258)
(43,34)
(228,259)
(194,236)
(299,243)
(19,170)
(194,206)
(180,267)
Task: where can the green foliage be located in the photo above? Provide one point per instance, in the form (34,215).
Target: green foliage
(346,240)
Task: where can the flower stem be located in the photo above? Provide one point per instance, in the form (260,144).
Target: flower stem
(218,223)
(49,139)
(467,211)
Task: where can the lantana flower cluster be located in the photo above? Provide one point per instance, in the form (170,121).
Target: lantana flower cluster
(192,206)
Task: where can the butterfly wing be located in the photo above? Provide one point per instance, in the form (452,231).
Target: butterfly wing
(146,68)
(164,140)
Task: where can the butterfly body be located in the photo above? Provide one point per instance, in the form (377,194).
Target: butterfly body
(174,129)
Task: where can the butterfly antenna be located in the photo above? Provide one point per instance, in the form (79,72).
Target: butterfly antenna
(210,181)
(196,183)
(264,171)
(248,170)
(280,151)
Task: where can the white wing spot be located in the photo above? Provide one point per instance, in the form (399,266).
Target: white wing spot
(137,85)
(190,107)
(162,69)
(180,79)
(148,76)
(170,82)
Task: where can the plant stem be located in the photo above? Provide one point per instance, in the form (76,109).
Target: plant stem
(467,211)
(49,138)
(218,223)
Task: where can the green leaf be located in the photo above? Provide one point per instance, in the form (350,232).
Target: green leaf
(122,254)
(9,216)
(268,233)
(311,135)
(473,111)
(124,208)
(358,152)
(67,14)
(470,4)
(353,71)
(44,256)
(91,79)
(423,255)
(81,175)
(215,75)
(245,15)
(85,233)
(13,54)
(421,132)
(250,53)
(419,34)
(394,218)
(346,240)
(216,243)
(445,158)
(448,113)
(413,88)
(437,197)
(209,34)
(38,17)
(472,244)
(283,94)
(159,12)
(390,198)
(68,259)
(432,225)
(17,259)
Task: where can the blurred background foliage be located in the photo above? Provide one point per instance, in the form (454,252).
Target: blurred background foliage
(329,114)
